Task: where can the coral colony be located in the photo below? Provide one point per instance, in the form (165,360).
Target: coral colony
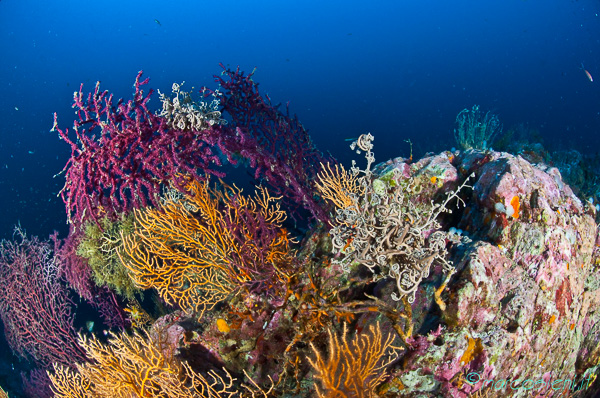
(467,273)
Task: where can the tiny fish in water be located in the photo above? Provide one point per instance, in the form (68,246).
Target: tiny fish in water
(158,22)
(588,74)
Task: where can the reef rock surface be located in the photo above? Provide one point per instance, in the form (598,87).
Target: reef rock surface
(522,310)
(519,317)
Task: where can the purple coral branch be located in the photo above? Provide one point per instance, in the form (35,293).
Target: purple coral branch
(35,307)
(277,144)
(123,154)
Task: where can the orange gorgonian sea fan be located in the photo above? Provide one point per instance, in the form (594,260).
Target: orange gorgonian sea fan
(199,249)
(354,368)
(342,187)
(133,366)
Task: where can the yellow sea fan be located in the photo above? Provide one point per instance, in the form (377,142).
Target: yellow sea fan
(339,186)
(354,368)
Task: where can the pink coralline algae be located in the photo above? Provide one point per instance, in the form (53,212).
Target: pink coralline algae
(524,303)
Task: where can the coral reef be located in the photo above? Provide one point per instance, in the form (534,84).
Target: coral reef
(138,152)
(465,273)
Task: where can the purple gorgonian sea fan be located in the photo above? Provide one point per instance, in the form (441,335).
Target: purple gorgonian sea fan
(35,307)
(123,153)
(276,144)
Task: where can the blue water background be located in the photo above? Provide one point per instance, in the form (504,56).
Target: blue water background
(398,69)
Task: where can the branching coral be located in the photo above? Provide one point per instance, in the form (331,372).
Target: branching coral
(354,368)
(35,305)
(199,249)
(133,366)
(123,153)
(383,228)
(275,143)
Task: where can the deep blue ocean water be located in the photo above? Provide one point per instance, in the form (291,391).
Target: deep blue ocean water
(401,70)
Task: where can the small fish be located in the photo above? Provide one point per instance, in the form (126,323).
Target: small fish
(588,74)
(158,22)
(350,139)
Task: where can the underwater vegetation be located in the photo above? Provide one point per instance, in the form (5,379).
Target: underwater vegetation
(476,130)
(464,273)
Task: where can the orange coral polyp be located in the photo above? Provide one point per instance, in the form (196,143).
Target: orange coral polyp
(514,202)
